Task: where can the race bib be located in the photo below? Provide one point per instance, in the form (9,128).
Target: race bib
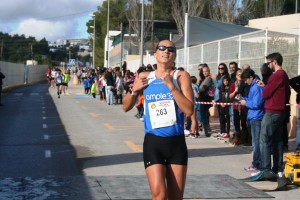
(162,113)
(58,80)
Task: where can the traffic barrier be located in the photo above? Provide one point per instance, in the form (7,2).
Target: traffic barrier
(228,104)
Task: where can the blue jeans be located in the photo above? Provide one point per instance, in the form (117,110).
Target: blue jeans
(109,95)
(255,132)
(232,118)
(271,141)
(298,131)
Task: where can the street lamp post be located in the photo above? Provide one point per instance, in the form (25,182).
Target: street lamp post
(107,35)
(142,35)
(94,39)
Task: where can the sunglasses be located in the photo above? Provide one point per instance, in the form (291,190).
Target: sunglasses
(269,62)
(221,68)
(163,48)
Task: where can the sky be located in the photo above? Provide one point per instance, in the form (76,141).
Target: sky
(50,19)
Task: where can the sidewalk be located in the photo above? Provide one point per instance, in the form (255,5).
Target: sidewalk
(115,171)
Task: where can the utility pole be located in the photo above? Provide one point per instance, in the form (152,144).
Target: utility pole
(31,55)
(1,52)
(107,34)
(152,28)
(121,39)
(142,35)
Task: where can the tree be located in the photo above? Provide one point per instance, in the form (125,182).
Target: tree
(229,11)
(273,7)
(116,16)
(133,15)
(180,7)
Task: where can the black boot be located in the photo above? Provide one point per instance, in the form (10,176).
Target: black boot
(206,127)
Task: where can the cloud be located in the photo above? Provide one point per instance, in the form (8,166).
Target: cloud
(50,19)
(46,29)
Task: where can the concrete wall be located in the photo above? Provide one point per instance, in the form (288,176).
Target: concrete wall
(19,74)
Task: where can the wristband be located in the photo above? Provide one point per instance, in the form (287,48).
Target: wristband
(173,89)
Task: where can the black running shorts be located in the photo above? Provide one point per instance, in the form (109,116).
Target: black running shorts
(164,150)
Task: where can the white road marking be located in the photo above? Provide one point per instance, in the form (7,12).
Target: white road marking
(47,154)
(44,117)
(45,126)
(46,137)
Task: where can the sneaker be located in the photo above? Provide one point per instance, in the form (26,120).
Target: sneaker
(186,133)
(142,119)
(251,168)
(216,134)
(225,136)
(280,174)
(192,136)
(221,135)
(255,172)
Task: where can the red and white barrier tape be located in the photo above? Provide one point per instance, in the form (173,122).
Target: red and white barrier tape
(228,104)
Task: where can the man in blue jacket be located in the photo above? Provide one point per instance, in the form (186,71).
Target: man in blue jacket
(255,104)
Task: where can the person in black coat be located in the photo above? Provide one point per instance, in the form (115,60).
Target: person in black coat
(1,77)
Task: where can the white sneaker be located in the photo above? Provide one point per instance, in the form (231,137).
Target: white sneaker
(186,133)
(254,173)
(142,119)
(280,174)
(217,134)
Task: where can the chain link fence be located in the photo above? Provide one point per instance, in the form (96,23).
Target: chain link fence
(249,49)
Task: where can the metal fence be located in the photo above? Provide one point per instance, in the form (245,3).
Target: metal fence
(250,48)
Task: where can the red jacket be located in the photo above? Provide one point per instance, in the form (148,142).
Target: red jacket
(277,92)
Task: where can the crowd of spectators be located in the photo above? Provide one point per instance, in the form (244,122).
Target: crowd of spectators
(244,103)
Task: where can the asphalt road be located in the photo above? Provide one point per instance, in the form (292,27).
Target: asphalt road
(100,146)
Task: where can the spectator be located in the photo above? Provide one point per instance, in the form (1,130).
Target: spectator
(149,68)
(128,80)
(86,85)
(101,87)
(194,127)
(224,109)
(119,87)
(233,67)
(237,108)
(201,75)
(255,104)
(110,86)
(94,89)
(205,86)
(140,107)
(266,72)
(276,94)
(1,82)
(295,84)
(222,71)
